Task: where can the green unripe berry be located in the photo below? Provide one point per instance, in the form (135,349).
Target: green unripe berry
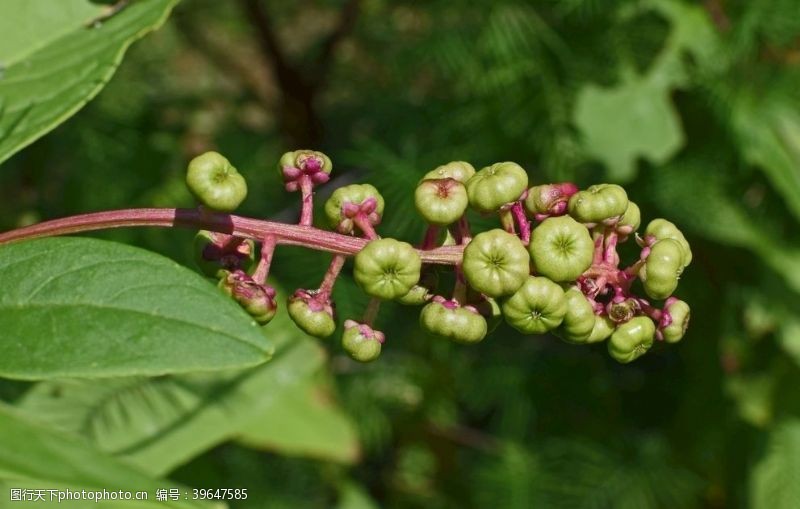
(602,330)
(347,201)
(561,248)
(599,203)
(496,185)
(299,158)
(441,201)
(361,342)
(422,292)
(387,268)
(215,182)
(579,320)
(632,339)
(662,269)
(258,300)
(680,313)
(630,220)
(663,229)
(457,170)
(537,307)
(315,321)
(449,320)
(496,263)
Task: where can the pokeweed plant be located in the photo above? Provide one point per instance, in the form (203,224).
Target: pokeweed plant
(552,267)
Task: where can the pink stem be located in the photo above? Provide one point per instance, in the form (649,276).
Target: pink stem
(365,226)
(465,234)
(431,235)
(256,229)
(610,256)
(267,250)
(373,306)
(507,220)
(306,189)
(331,274)
(598,250)
(522,222)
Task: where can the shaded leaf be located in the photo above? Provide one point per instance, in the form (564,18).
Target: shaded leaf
(304,421)
(91,308)
(32,456)
(775,481)
(159,424)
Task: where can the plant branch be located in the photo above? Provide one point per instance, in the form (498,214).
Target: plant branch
(256,229)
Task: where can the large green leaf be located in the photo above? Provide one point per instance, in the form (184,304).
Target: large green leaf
(775,481)
(91,308)
(35,457)
(159,424)
(304,421)
(53,63)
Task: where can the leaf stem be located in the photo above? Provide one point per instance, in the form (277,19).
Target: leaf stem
(257,229)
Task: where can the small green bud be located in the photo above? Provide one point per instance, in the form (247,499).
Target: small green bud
(215,182)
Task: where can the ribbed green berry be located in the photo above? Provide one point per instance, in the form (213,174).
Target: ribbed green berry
(361,342)
(318,323)
(496,263)
(663,229)
(662,269)
(561,248)
(602,330)
(458,170)
(680,313)
(449,320)
(598,203)
(258,300)
(299,158)
(346,200)
(579,320)
(630,220)
(496,185)
(423,291)
(215,182)
(441,201)
(632,339)
(537,307)
(387,268)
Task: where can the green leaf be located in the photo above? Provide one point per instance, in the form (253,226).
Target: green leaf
(775,481)
(52,70)
(635,118)
(304,421)
(75,307)
(769,138)
(158,424)
(35,457)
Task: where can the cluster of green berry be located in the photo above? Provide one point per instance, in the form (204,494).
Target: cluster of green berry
(552,267)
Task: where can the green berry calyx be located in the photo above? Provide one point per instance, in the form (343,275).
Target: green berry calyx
(496,263)
(258,300)
(215,182)
(496,186)
(299,164)
(451,320)
(354,205)
(362,342)
(441,201)
(313,312)
(387,268)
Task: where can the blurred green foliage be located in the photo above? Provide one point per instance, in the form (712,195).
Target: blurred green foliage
(695,107)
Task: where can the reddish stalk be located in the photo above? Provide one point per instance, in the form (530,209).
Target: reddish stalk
(285,234)
(431,234)
(522,222)
(365,226)
(307,192)
(330,275)
(371,312)
(267,250)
